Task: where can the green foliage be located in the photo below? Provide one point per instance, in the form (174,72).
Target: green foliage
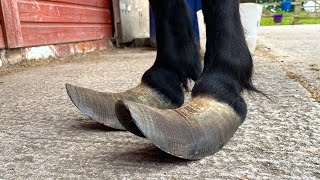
(275,8)
(271,1)
(268,1)
(288,19)
(269,21)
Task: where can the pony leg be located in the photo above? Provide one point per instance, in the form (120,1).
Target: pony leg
(205,124)
(228,62)
(161,86)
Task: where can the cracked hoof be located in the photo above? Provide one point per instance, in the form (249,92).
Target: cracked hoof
(100,106)
(199,128)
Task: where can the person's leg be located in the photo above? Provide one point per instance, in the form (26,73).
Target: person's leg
(202,126)
(162,85)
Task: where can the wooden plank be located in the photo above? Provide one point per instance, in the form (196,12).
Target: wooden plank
(93,3)
(45,11)
(116,20)
(11,23)
(297,11)
(52,33)
(2,43)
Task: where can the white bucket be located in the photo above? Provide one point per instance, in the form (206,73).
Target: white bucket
(202,30)
(250,18)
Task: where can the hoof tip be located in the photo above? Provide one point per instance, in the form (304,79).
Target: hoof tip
(124,116)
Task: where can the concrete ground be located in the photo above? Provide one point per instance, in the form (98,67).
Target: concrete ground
(44,136)
(298,49)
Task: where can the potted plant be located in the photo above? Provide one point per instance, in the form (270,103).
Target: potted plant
(286,5)
(277,18)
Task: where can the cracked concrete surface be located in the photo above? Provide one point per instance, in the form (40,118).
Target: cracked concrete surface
(297,47)
(44,136)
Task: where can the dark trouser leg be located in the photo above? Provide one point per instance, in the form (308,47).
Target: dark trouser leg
(202,126)
(177,56)
(228,63)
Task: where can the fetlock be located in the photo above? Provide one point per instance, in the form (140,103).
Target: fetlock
(166,82)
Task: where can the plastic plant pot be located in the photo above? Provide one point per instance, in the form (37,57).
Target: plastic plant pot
(277,18)
(285,5)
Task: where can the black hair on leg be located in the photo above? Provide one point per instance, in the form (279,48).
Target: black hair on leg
(177,56)
(228,62)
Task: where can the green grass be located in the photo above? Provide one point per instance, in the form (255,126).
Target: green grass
(288,20)
(265,21)
(309,21)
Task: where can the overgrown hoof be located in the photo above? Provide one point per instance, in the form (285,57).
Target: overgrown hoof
(196,130)
(100,106)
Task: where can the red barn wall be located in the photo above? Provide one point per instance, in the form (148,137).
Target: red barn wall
(43,22)
(2,44)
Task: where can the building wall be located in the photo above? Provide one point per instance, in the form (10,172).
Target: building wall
(2,44)
(42,22)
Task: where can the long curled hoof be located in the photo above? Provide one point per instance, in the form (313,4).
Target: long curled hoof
(199,128)
(100,106)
